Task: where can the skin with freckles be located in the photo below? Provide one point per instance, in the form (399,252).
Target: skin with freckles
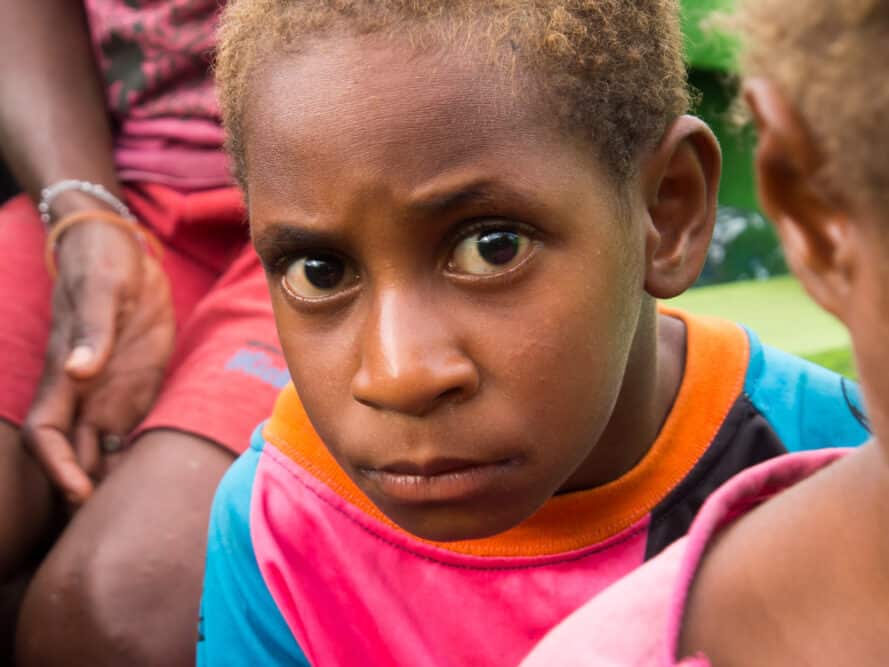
(463,293)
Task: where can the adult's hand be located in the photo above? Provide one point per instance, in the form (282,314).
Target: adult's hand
(112,335)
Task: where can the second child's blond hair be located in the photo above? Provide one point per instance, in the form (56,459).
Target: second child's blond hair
(829,57)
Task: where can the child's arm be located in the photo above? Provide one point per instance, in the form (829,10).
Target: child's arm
(240,622)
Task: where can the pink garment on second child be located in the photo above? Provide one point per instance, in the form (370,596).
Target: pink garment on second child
(637,621)
(155,56)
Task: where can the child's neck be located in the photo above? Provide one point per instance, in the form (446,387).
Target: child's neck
(645,400)
(803,579)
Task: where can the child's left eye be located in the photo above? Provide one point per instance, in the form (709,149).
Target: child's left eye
(490,252)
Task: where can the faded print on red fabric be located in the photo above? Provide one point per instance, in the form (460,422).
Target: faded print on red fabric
(156,55)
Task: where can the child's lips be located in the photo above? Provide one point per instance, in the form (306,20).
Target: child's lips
(437,480)
(431,467)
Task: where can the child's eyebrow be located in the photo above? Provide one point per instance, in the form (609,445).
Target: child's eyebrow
(276,239)
(478,193)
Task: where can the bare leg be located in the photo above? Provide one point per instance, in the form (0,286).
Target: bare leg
(12,592)
(122,586)
(26,503)
(26,513)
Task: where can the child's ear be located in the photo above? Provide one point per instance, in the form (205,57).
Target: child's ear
(818,241)
(680,182)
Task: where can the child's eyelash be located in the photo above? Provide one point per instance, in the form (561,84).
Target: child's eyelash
(276,263)
(490,225)
(278,259)
(280,244)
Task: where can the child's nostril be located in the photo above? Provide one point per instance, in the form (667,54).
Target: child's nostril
(455,395)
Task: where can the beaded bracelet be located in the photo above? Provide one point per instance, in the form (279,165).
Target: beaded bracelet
(93,189)
(148,240)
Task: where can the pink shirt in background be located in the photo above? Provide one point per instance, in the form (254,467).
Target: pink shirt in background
(637,621)
(155,56)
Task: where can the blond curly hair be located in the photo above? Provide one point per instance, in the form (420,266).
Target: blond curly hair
(611,70)
(827,57)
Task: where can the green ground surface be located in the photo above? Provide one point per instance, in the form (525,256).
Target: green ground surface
(781,313)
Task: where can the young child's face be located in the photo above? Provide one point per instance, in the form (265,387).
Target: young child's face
(456,284)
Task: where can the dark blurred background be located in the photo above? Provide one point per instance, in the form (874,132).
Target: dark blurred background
(8,186)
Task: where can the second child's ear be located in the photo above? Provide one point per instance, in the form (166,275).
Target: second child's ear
(814,228)
(680,181)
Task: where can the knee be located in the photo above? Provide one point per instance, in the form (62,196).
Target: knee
(122,586)
(101,604)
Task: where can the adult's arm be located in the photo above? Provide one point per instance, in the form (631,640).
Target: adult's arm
(54,125)
(53,122)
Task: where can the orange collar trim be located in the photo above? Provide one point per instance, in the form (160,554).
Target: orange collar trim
(715,368)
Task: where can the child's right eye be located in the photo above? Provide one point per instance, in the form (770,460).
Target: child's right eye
(318,276)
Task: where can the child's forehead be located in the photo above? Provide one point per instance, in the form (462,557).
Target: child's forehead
(351,105)
(348,77)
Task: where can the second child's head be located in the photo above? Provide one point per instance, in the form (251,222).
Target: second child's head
(815,84)
(465,210)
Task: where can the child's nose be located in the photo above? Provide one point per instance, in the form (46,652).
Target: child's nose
(410,362)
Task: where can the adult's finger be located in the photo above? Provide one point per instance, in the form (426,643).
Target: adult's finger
(55,454)
(86,449)
(51,417)
(94,302)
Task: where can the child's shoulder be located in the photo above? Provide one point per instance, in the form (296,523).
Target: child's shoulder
(233,575)
(742,403)
(803,405)
(236,487)
(808,406)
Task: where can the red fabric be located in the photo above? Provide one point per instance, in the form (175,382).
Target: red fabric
(227,367)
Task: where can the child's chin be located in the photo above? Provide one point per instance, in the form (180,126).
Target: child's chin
(452,524)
